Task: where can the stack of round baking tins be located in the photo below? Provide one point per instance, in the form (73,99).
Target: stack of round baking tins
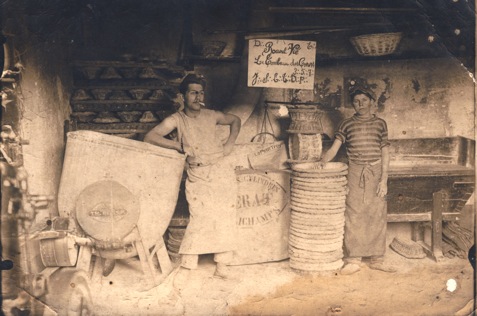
(318,202)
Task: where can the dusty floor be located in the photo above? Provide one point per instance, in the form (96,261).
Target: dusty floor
(418,288)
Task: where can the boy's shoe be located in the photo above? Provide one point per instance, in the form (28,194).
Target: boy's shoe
(350,268)
(382,267)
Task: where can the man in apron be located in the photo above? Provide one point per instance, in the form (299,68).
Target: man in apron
(211,188)
(367,148)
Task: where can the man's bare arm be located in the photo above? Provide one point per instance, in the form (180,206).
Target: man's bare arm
(156,136)
(234,123)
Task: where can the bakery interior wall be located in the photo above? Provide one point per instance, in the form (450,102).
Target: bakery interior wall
(45,39)
(414,96)
(38,56)
(431,97)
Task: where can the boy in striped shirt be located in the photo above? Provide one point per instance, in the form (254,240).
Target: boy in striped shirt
(367,148)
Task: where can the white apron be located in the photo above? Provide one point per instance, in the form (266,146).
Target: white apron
(211,187)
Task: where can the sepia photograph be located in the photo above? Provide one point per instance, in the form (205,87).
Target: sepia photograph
(238,157)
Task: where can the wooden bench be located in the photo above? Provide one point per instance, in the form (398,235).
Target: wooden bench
(430,181)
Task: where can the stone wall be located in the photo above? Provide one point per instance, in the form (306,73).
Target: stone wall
(42,92)
(417,98)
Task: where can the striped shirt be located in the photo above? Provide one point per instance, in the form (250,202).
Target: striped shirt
(364,138)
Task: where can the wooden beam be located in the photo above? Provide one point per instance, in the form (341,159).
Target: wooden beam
(420,217)
(122,106)
(440,205)
(290,28)
(292,33)
(117,128)
(280,34)
(160,64)
(340,10)
(115,102)
(123,84)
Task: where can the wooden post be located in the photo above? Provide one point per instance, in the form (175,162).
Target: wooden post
(417,231)
(440,202)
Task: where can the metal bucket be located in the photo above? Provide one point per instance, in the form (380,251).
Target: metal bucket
(119,190)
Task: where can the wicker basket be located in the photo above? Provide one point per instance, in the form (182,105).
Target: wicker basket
(305,121)
(376,44)
(407,248)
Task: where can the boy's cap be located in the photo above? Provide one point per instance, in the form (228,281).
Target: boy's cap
(362,90)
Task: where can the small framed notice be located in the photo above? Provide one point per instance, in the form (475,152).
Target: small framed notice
(281,64)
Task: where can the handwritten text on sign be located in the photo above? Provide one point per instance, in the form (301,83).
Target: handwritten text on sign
(281,64)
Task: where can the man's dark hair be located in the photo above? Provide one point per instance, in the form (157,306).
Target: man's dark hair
(191,79)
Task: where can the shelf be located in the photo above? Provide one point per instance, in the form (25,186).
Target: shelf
(117,128)
(232,59)
(110,102)
(122,106)
(126,64)
(121,84)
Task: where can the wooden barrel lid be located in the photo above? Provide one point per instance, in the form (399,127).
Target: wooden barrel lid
(107,210)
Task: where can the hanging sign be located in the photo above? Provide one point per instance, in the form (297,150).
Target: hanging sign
(281,64)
